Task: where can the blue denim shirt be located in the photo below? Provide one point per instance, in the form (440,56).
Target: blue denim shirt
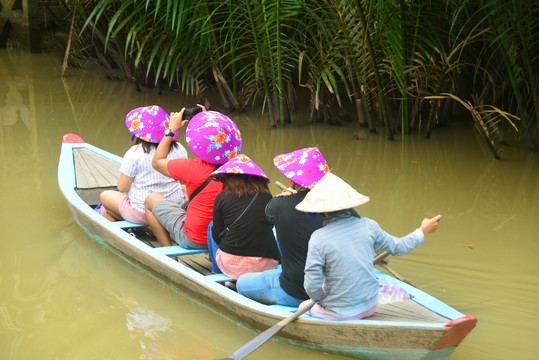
(339,273)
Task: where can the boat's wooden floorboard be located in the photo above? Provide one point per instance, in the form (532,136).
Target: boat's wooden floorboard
(145,236)
(198,262)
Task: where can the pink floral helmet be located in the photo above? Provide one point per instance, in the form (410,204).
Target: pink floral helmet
(241,164)
(213,137)
(305,167)
(148,123)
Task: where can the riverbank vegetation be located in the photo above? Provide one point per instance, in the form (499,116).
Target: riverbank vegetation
(402,65)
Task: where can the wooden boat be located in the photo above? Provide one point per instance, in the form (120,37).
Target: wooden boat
(420,328)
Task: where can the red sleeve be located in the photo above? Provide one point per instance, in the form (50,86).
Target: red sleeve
(179,169)
(193,172)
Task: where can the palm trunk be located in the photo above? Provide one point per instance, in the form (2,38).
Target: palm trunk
(381,97)
(280,92)
(263,73)
(439,87)
(531,75)
(405,116)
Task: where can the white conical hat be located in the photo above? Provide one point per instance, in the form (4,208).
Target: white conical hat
(331,194)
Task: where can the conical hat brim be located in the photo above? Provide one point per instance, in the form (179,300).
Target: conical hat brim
(331,194)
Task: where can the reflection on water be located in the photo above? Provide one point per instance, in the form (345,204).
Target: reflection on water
(153,333)
(65,297)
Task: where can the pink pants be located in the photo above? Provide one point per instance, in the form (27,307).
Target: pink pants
(387,293)
(319,312)
(129,213)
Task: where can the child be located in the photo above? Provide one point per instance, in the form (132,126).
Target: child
(339,271)
(138,178)
(245,238)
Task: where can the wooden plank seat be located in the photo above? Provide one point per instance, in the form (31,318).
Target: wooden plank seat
(124,224)
(177,250)
(220,278)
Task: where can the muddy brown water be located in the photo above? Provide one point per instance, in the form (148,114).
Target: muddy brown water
(62,296)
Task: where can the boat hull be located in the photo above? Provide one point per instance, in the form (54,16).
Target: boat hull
(362,339)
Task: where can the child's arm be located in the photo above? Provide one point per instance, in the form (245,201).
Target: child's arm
(127,171)
(124,183)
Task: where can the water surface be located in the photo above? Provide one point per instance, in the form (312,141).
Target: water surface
(62,296)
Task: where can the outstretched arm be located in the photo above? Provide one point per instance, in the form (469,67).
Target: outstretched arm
(400,246)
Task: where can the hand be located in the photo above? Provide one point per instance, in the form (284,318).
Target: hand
(287,192)
(176,120)
(385,260)
(430,225)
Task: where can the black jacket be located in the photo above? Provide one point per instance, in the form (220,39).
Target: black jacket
(252,235)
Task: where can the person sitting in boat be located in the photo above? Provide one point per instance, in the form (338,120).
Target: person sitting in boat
(214,138)
(137,176)
(245,239)
(284,285)
(339,271)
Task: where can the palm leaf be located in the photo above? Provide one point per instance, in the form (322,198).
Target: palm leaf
(486,119)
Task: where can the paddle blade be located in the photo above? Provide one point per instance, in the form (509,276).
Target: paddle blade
(254,344)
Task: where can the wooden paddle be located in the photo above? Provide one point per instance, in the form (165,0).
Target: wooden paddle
(380,257)
(378,261)
(282,187)
(395,274)
(254,344)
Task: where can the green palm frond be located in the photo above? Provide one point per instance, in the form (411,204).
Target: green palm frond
(390,55)
(156,34)
(514,26)
(486,119)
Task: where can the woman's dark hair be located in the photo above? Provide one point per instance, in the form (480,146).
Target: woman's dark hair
(147,146)
(243,185)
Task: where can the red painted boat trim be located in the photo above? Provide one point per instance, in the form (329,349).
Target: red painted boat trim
(72,139)
(459,329)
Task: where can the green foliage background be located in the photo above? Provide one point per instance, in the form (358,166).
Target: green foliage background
(403,64)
